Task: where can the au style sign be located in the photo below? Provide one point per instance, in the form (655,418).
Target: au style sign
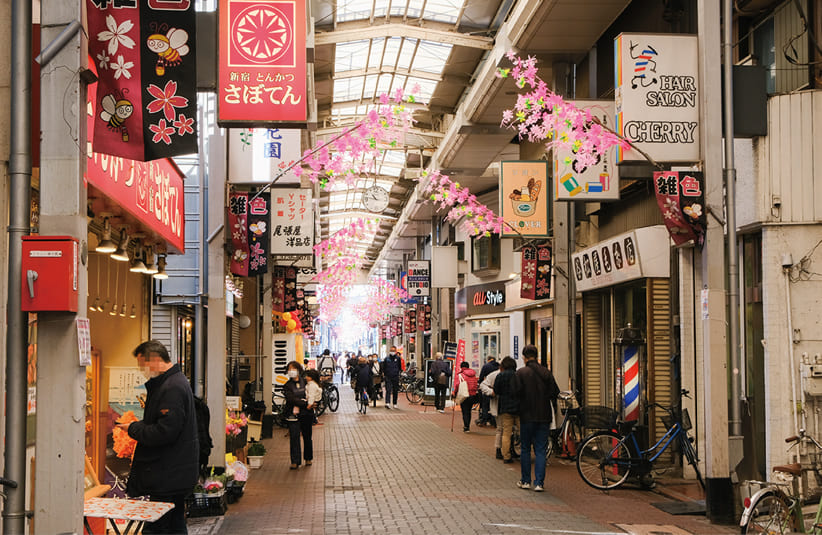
(484,298)
(261,67)
(657,97)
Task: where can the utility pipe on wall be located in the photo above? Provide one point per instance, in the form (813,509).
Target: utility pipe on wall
(787,271)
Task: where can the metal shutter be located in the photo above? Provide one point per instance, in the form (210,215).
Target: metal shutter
(660,337)
(592,350)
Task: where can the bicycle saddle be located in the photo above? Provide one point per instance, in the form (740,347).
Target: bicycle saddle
(794,468)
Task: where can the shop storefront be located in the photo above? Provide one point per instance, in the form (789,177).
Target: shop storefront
(483,322)
(625,281)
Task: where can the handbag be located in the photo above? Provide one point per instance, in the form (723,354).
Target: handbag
(462,391)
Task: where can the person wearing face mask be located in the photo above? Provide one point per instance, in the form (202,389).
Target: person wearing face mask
(300,417)
(165,465)
(391,367)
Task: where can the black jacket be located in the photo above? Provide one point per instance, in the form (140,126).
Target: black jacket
(166,457)
(437,367)
(392,366)
(537,392)
(487,368)
(505,390)
(294,392)
(363,374)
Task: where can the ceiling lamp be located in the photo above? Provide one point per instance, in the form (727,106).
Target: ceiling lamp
(133,313)
(121,253)
(96,305)
(161,268)
(123,311)
(106,245)
(151,269)
(137,265)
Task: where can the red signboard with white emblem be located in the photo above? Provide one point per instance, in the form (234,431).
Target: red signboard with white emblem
(262,62)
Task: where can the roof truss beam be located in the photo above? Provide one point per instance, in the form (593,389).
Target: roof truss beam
(341,35)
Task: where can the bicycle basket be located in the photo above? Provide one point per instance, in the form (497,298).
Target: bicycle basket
(599,417)
(566,403)
(667,421)
(686,420)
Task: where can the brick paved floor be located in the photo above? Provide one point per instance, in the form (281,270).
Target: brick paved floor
(405,471)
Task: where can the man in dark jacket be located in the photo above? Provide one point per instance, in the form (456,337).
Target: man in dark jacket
(485,418)
(165,462)
(439,375)
(537,392)
(391,368)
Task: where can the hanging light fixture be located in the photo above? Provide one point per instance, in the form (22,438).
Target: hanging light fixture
(125,295)
(114,307)
(133,313)
(96,304)
(121,254)
(108,287)
(161,268)
(137,265)
(151,269)
(106,245)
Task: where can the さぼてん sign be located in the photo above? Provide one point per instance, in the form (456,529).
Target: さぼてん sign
(657,97)
(292,222)
(262,62)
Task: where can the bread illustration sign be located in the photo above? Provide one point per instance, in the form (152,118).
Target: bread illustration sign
(524,199)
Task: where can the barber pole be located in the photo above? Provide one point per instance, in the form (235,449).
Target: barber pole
(630,374)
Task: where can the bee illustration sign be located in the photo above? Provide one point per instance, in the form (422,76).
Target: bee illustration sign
(143,55)
(657,97)
(524,197)
(599,182)
(681,201)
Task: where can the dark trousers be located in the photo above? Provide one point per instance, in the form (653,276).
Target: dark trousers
(485,406)
(301,427)
(466,406)
(535,433)
(392,389)
(174,521)
(439,396)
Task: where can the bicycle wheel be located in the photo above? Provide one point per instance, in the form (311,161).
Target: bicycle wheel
(414,394)
(322,404)
(333,398)
(363,403)
(603,461)
(570,439)
(771,514)
(690,456)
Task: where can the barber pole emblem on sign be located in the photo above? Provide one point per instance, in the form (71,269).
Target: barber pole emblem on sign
(630,374)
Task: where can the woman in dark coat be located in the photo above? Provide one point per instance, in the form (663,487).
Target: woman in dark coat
(300,418)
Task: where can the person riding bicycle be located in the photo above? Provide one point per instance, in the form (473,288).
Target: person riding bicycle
(363,376)
(326,364)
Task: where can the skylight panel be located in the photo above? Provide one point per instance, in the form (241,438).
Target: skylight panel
(353,10)
(406,54)
(431,57)
(381,8)
(384,84)
(375,57)
(370,86)
(398,82)
(426,88)
(348,89)
(351,56)
(392,50)
(442,10)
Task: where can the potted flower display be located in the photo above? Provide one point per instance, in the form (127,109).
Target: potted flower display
(236,427)
(256,450)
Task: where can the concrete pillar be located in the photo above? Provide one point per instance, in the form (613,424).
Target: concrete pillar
(712,258)
(216,338)
(61,381)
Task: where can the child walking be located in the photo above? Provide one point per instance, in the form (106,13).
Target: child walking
(313,390)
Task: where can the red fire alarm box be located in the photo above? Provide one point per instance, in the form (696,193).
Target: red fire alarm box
(50,273)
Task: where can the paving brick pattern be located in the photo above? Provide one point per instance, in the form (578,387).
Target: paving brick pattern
(405,471)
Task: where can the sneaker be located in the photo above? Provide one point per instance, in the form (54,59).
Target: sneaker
(538,488)
(499,453)
(441,411)
(395,405)
(387,406)
(524,486)
(465,430)
(508,461)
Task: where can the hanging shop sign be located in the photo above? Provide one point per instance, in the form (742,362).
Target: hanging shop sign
(146,96)
(305,275)
(283,289)
(292,222)
(150,192)
(419,278)
(535,278)
(262,62)
(657,96)
(238,226)
(576,181)
(681,200)
(411,299)
(644,252)
(248,220)
(524,197)
(258,155)
(485,298)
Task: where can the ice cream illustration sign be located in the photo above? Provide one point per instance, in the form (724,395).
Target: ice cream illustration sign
(523,204)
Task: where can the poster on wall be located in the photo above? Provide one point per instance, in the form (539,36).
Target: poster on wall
(575,181)
(524,198)
(262,62)
(681,201)
(292,222)
(258,155)
(146,96)
(657,98)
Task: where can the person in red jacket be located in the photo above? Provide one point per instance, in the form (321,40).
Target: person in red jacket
(468,376)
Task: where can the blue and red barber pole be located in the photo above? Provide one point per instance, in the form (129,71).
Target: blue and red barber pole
(630,375)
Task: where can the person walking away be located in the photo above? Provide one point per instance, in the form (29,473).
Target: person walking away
(486,388)
(468,376)
(537,391)
(362,373)
(166,457)
(485,418)
(313,392)
(505,392)
(392,367)
(376,378)
(440,374)
(300,417)
(326,363)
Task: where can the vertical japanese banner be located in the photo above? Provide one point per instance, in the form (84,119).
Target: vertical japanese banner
(680,199)
(543,274)
(278,289)
(259,220)
(292,222)
(290,293)
(262,62)
(238,226)
(459,360)
(144,55)
(528,273)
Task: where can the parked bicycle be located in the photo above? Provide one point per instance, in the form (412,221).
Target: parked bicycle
(415,393)
(330,398)
(778,507)
(607,459)
(278,409)
(408,380)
